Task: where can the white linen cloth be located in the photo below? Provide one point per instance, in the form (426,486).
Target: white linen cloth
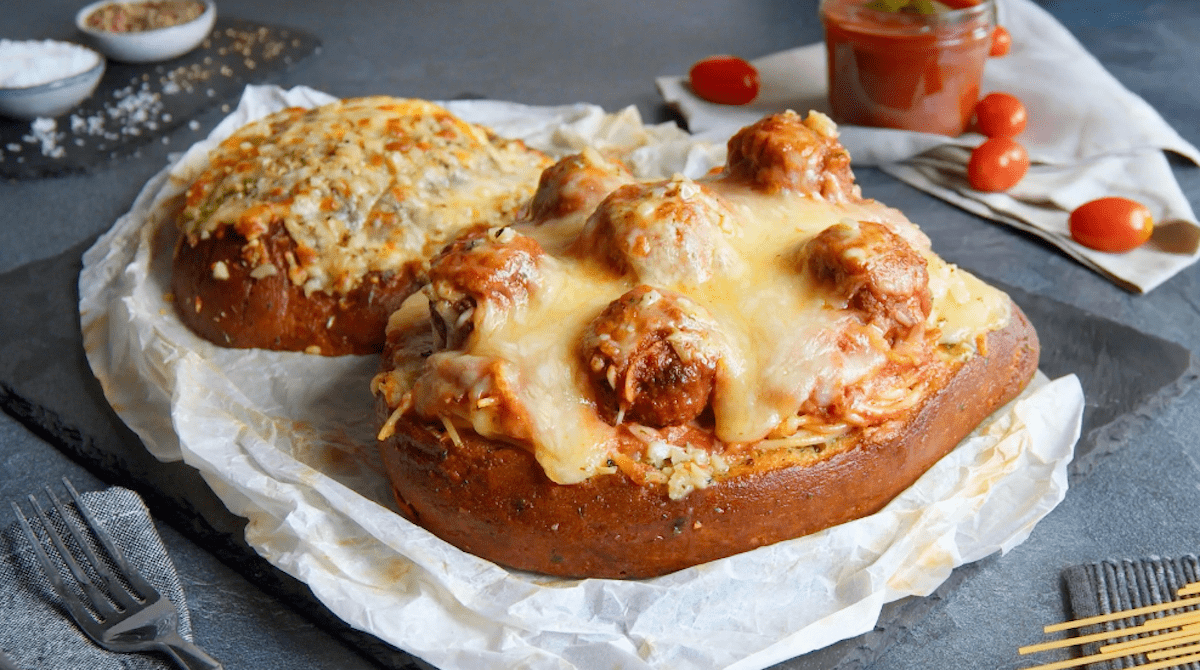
(286,440)
(1088,135)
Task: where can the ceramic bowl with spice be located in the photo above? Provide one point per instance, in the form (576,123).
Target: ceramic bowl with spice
(146,31)
(46,78)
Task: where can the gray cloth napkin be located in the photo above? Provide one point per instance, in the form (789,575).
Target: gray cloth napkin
(1113,586)
(35,629)
(1088,135)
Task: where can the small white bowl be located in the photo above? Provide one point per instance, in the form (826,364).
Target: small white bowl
(147,46)
(53,98)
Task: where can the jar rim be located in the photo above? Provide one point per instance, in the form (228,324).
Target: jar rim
(951,18)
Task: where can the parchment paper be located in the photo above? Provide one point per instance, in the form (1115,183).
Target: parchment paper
(287,441)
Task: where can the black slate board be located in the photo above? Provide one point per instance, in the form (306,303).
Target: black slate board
(45,383)
(138,103)
(1126,375)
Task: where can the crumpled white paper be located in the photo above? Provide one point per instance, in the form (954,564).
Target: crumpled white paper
(1088,135)
(287,441)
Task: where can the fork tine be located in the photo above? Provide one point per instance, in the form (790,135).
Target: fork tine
(109,581)
(142,588)
(95,596)
(48,566)
(70,600)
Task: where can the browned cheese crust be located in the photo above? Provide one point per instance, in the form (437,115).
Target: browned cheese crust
(643,376)
(308,227)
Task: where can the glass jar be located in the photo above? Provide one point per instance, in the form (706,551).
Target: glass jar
(916,72)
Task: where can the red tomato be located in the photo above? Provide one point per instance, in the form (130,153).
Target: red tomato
(727,80)
(1115,225)
(1000,115)
(1001,41)
(997,164)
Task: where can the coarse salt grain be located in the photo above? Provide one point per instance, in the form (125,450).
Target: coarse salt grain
(31,63)
(44,132)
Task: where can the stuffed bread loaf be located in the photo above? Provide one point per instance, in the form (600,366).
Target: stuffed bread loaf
(308,226)
(640,376)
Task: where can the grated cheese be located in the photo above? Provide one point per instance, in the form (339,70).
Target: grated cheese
(361,185)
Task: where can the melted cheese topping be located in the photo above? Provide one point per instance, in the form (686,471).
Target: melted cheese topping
(785,343)
(361,185)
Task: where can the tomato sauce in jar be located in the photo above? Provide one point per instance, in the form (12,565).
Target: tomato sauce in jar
(904,70)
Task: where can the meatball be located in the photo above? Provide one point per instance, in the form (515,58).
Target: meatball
(783,152)
(480,270)
(874,271)
(576,183)
(671,233)
(652,358)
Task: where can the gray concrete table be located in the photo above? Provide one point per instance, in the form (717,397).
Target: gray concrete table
(1139,500)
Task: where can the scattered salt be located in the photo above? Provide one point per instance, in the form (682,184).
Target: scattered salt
(27,63)
(44,132)
(136,110)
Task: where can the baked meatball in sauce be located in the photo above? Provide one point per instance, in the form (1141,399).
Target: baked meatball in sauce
(575,185)
(669,233)
(493,269)
(785,152)
(652,358)
(873,271)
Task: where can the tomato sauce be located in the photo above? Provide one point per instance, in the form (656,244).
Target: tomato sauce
(907,71)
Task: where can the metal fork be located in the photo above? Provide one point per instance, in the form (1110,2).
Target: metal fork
(124,613)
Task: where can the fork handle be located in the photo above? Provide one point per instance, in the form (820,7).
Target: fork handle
(188,655)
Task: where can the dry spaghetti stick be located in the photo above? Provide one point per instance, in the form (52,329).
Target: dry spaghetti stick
(1174,651)
(1154,642)
(1124,614)
(1188,590)
(1171,621)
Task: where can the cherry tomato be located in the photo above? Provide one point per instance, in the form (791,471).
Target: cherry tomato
(997,164)
(727,80)
(1000,115)
(1115,225)
(1001,42)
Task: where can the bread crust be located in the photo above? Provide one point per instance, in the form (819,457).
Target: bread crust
(493,499)
(233,308)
